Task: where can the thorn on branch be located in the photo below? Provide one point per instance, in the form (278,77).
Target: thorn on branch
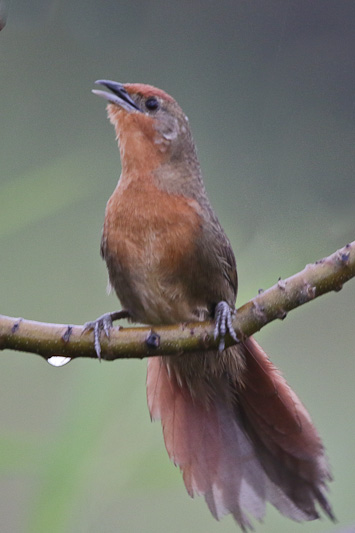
(259,311)
(344,257)
(153,340)
(282,314)
(311,291)
(281,284)
(308,293)
(16,325)
(67,334)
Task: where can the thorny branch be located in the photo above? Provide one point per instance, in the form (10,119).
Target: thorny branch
(328,274)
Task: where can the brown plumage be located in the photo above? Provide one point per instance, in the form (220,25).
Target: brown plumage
(239,434)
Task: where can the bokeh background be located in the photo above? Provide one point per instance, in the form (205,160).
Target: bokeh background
(269,87)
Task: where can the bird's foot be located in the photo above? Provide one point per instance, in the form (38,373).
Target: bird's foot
(103,323)
(223,317)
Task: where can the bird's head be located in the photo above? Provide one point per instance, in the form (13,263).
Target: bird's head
(150,125)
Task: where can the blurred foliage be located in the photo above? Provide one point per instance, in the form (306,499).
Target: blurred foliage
(269,90)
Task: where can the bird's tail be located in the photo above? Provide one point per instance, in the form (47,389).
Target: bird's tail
(252,442)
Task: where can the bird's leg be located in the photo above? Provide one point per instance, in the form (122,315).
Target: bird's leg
(103,323)
(223,316)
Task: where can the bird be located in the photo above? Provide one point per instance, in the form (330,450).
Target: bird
(238,432)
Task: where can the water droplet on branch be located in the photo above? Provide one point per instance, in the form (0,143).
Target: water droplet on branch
(58,360)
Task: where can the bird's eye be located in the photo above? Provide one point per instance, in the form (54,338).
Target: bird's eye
(152,103)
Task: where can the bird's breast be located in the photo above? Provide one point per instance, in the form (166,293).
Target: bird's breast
(149,244)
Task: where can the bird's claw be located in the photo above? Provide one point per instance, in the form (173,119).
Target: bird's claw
(223,317)
(103,323)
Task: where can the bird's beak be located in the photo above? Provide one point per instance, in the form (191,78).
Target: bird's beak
(119,96)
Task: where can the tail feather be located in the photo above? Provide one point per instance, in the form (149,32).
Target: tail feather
(186,446)
(246,445)
(284,437)
(205,442)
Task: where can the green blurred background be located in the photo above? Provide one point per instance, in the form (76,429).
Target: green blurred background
(269,87)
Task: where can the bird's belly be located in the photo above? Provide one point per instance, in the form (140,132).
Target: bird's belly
(151,292)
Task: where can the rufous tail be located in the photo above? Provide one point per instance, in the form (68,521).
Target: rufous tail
(251,443)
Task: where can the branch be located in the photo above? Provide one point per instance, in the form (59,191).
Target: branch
(328,274)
